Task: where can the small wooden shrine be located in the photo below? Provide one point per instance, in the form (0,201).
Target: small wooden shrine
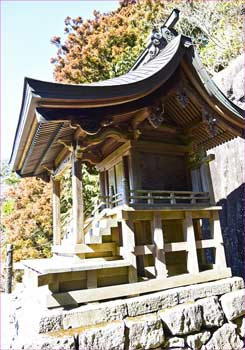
(147,132)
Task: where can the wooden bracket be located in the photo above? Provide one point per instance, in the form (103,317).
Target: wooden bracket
(67,145)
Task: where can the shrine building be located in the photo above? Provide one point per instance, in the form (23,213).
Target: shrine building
(147,132)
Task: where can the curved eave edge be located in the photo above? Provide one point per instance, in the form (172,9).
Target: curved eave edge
(112,90)
(26,116)
(236,114)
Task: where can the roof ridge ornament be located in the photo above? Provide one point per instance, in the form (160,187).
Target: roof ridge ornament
(159,38)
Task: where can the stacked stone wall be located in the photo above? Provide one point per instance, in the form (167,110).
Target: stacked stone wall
(207,316)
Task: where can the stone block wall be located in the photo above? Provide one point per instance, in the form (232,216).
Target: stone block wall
(207,316)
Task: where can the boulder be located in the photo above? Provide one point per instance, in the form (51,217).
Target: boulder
(225,338)
(182,319)
(96,313)
(196,341)
(144,332)
(175,343)
(108,337)
(233,304)
(240,323)
(213,315)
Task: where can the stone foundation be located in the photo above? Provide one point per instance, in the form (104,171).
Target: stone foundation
(207,316)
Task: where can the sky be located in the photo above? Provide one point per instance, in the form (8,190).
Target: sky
(26,30)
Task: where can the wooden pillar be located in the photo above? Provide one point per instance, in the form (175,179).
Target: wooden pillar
(128,248)
(189,235)
(220,260)
(125,193)
(102,183)
(56,212)
(159,253)
(199,237)
(77,200)
(207,181)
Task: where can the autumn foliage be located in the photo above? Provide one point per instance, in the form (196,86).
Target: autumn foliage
(107,45)
(27,219)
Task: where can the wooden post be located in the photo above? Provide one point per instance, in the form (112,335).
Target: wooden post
(158,240)
(207,181)
(56,212)
(125,198)
(102,183)
(9,268)
(77,200)
(220,260)
(199,237)
(128,249)
(189,235)
(112,193)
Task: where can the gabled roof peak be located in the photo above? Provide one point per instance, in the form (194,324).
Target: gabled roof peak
(159,38)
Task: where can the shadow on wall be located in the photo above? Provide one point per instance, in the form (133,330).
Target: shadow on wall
(232,224)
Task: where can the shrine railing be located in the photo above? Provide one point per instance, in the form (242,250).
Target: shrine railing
(156,197)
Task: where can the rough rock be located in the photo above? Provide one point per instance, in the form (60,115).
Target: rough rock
(151,303)
(109,337)
(231,81)
(225,338)
(213,315)
(182,319)
(50,323)
(174,342)
(93,314)
(233,304)
(240,323)
(196,341)
(145,332)
(237,283)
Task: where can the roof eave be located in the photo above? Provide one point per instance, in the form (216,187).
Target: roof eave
(25,124)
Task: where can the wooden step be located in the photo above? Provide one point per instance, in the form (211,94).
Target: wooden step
(84,248)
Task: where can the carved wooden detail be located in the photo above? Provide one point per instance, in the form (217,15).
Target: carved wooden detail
(110,132)
(181,97)
(156,116)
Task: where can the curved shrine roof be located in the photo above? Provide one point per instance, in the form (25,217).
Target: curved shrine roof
(49,108)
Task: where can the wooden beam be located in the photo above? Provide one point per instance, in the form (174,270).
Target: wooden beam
(77,199)
(205,243)
(159,147)
(111,159)
(139,117)
(128,237)
(111,132)
(110,292)
(56,212)
(207,184)
(158,240)
(189,235)
(63,166)
(163,128)
(220,260)
(85,248)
